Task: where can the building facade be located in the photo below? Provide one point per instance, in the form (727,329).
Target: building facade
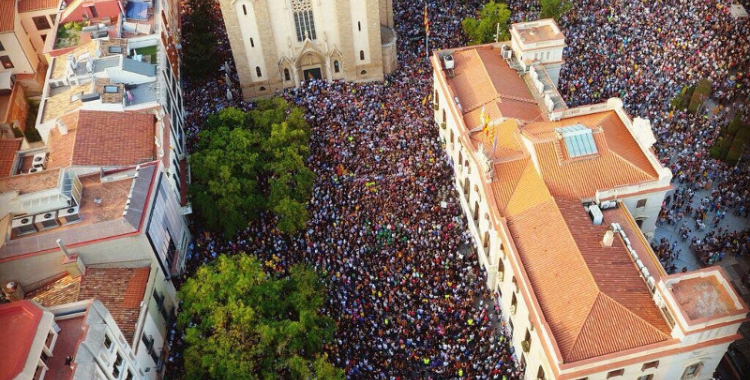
(279,44)
(560,202)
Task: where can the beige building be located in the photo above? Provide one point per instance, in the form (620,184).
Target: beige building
(559,202)
(279,44)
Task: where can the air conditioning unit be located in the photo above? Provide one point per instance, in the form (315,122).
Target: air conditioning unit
(23,226)
(596,215)
(40,160)
(507,53)
(35,170)
(448,62)
(46,221)
(607,205)
(68,215)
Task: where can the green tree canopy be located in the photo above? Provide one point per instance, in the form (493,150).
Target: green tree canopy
(240,324)
(554,8)
(249,162)
(483,30)
(200,56)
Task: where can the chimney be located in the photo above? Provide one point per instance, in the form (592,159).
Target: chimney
(62,127)
(73,263)
(609,236)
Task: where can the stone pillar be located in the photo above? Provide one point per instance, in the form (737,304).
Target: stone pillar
(329,74)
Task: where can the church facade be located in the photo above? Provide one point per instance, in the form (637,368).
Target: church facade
(279,44)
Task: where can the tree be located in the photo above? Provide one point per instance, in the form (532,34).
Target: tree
(249,162)
(483,30)
(200,56)
(554,9)
(240,324)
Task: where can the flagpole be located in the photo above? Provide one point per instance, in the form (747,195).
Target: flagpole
(426,35)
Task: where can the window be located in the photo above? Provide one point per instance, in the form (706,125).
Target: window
(41,22)
(304,23)
(361,55)
(526,344)
(437,98)
(540,373)
(252,43)
(336,67)
(649,365)
(94,13)
(647,377)
(513,302)
(692,371)
(641,203)
(616,373)
(244,9)
(44,37)
(287,77)
(257,71)
(5,60)
(107,342)
(2,47)
(359,26)
(443,115)
(116,366)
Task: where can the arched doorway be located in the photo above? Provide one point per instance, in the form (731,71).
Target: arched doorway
(311,66)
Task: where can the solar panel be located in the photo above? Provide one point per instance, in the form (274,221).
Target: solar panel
(578,140)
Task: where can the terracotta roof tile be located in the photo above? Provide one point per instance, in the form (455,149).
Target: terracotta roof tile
(61,145)
(482,77)
(114,138)
(8,149)
(121,290)
(7,15)
(600,336)
(35,5)
(613,309)
(60,103)
(62,291)
(544,244)
(619,160)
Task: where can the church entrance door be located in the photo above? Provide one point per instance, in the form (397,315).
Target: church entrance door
(313,73)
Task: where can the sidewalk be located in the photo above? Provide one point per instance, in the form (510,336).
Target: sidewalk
(739,351)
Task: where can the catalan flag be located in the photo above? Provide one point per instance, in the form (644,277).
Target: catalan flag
(484,118)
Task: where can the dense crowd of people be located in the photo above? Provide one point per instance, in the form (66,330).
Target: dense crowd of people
(405,287)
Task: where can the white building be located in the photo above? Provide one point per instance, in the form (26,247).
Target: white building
(558,202)
(278,44)
(77,340)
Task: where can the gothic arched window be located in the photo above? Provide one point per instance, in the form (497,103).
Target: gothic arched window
(304,24)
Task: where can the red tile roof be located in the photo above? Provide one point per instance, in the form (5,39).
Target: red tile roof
(482,77)
(60,292)
(8,149)
(35,5)
(619,160)
(121,290)
(97,138)
(18,327)
(7,15)
(613,309)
